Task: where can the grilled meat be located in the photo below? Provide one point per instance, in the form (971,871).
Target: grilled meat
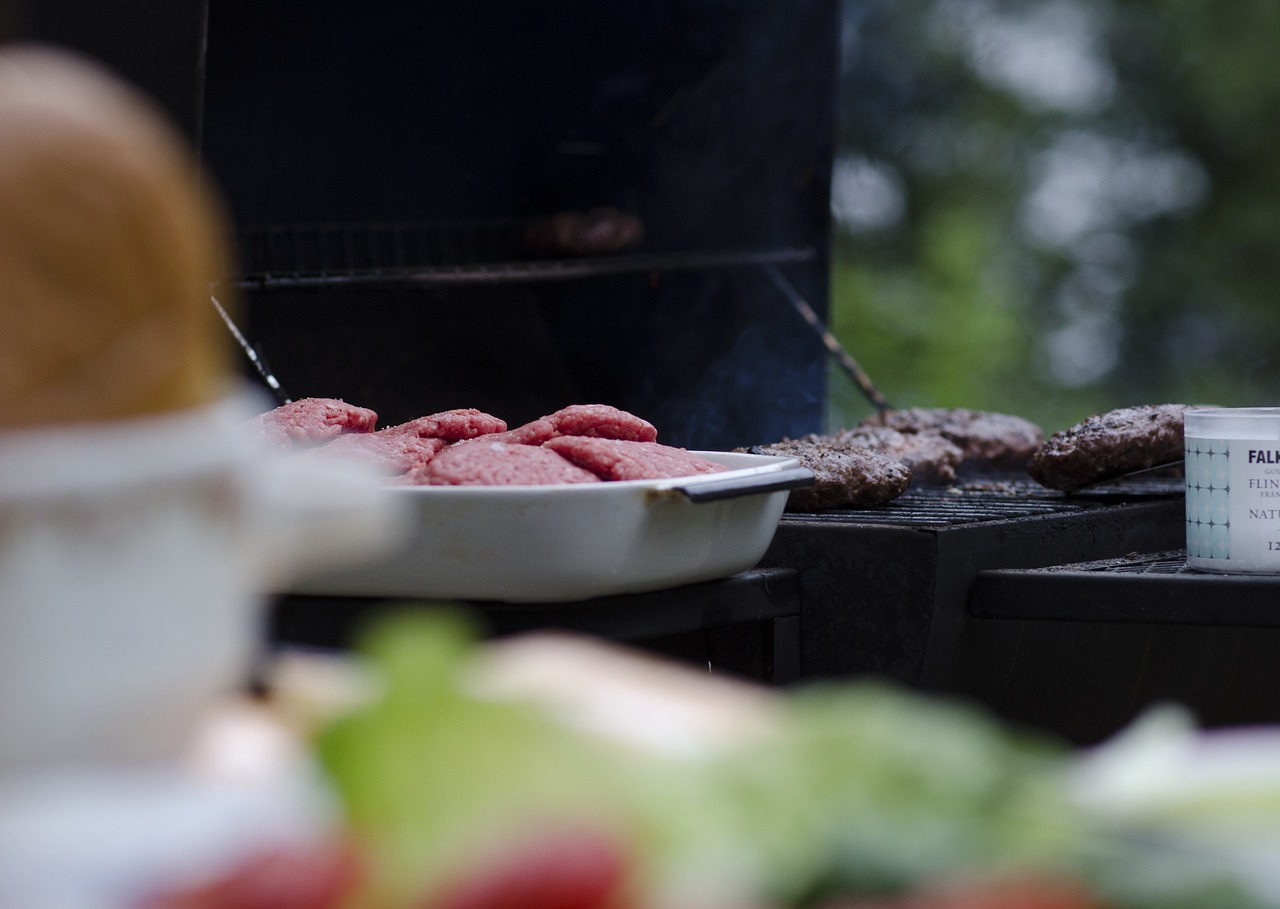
(845,475)
(1109,444)
(931,457)
(987,439)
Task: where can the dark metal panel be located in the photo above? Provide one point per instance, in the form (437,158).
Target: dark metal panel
(750,596)
(159,46)
(866,596)
(959,658)
(785,642)
(713,121)
(885,590)
(1083,648)
(1085,681)
(730,622)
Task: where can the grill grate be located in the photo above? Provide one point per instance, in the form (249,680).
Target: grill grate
(1161,563)
(939,511)
(405,254)
(371,248)
(1167,562)
(984,500)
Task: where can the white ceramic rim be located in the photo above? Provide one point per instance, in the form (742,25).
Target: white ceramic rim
(754,465)
(83,457)
(1252,423)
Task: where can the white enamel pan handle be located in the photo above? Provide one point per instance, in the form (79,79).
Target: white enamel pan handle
(755,484)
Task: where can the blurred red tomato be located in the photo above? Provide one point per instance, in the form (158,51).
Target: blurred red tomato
(316,878)
(1008,893)
(574,869)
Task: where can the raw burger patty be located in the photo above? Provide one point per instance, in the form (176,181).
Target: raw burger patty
(311,420)
(995,439)
(620,459)
(388,451)
(845,476)
(1109,444)
(451,425)
(489,463)
(593,420)
(931,457)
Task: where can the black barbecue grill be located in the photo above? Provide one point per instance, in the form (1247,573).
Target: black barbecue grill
(410,285)
(385,168)
(384,165)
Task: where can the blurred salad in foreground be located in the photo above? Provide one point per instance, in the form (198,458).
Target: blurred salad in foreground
(553,771)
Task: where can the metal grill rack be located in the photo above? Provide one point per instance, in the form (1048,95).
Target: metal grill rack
(942,510)
(441,254)
(348,256)
(977,501)
(466,311)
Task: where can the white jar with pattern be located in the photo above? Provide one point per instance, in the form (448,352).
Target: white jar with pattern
(1233,489)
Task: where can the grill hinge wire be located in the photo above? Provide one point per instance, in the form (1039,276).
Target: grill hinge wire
(833,345)
(259,366)
(292,270)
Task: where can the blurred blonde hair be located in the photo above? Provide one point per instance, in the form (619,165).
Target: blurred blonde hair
(108,245)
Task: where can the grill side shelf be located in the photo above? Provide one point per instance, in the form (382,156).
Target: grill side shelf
(1151,588)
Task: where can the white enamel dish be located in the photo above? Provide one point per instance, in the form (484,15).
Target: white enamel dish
(577,541)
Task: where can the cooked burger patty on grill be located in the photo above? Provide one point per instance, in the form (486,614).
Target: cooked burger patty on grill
(1109,444)
(307,421)
(451,425)
(486,463)
(620,459)
(845,476)
(995,439)
(931,457)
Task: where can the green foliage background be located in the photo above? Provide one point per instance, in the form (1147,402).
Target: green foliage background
(957,302)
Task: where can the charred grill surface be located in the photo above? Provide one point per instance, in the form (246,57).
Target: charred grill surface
(991,498)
